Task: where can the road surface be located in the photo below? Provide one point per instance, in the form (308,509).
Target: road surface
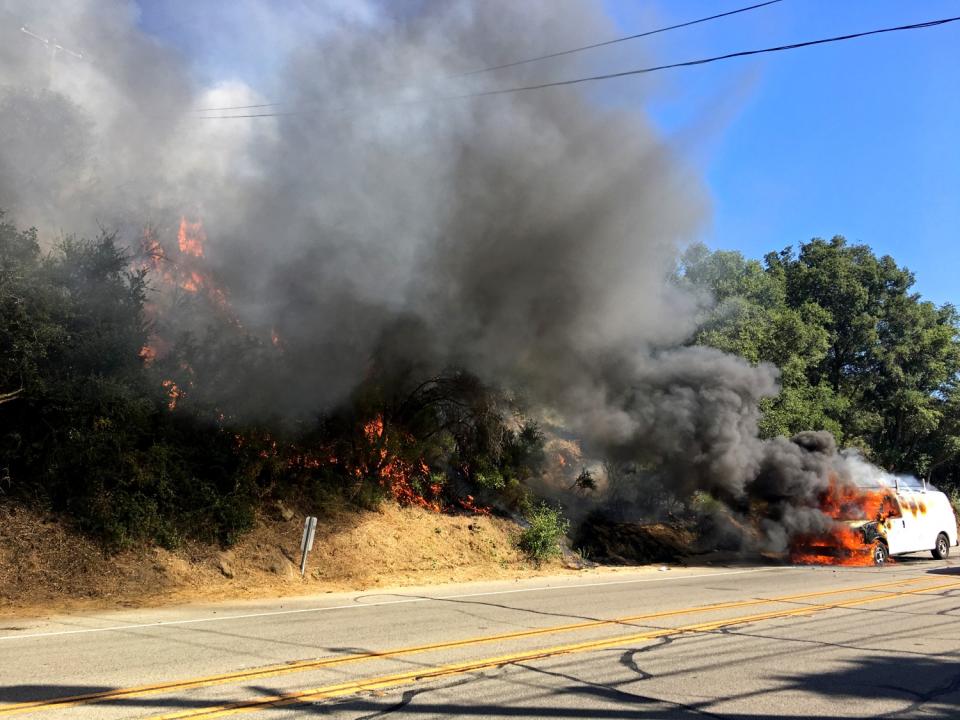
(734,642)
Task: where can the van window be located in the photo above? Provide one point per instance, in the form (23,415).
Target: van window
(890,508)
(908,482)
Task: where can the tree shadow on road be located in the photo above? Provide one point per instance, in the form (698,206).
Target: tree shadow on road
(945,571)
(46,693)
(910,684)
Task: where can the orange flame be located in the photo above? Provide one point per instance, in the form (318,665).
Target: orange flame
(186,271)
(467,503)
(843,544)
(407,482)
(174,393)
(148,353)
(373,429)
(191,237)
(192,282)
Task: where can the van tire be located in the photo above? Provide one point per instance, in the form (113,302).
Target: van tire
(941,551)
(880,553)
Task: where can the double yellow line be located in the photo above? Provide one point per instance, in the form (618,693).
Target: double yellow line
(390,680)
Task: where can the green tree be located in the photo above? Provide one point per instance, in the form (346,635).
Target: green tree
(891,355)
(860,354)
(84,429)
(750,317)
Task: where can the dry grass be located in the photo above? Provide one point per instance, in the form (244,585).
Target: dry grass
(44,567)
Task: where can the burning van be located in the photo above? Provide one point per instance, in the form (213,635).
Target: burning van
(872,524)
(916,519)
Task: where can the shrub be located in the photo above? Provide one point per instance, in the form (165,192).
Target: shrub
(490,479)
(541,540)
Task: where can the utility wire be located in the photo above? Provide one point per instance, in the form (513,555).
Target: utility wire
(561,53)
(705,61)
(551,55)
(642,71)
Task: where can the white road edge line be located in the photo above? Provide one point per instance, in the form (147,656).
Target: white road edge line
(354,606)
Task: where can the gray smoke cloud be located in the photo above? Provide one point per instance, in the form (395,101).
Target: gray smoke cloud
(528,238)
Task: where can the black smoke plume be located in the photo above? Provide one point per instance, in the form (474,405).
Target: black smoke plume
(528,239)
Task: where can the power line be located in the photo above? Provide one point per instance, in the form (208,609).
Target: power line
(642,71)
(705,61)
(560,53)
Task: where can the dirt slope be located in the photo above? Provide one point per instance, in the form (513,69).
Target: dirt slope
(44,567)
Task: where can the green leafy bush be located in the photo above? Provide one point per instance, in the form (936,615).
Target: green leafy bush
(541,540)
(88,432)
(490,479)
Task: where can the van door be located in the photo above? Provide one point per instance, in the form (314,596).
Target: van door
(912,522)
(901,530)
(930,522)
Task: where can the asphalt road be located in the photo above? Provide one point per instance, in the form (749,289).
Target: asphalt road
(734,642)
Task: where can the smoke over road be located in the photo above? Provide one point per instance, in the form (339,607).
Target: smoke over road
(529,239)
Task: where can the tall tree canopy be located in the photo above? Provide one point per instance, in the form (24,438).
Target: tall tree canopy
(860,353)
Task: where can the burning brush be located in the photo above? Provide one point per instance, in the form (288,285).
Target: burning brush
(179,272)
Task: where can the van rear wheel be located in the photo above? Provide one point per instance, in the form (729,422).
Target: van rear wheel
(941,551)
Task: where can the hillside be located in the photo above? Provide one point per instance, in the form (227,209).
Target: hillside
(45,567)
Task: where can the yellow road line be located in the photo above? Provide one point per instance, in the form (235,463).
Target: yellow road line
(315,664)
(390,681)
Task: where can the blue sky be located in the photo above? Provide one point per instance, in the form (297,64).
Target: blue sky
(859,138)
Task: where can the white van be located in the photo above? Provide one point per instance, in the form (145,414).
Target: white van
(916,519)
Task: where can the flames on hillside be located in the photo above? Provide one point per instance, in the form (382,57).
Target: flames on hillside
(379,453)
(181,268)
(177,264)
(178,269)
(191,237)
(394,473)
(385,457)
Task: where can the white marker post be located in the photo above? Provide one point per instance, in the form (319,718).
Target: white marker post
(306,543)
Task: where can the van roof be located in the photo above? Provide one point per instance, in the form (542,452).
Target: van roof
(903,483)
